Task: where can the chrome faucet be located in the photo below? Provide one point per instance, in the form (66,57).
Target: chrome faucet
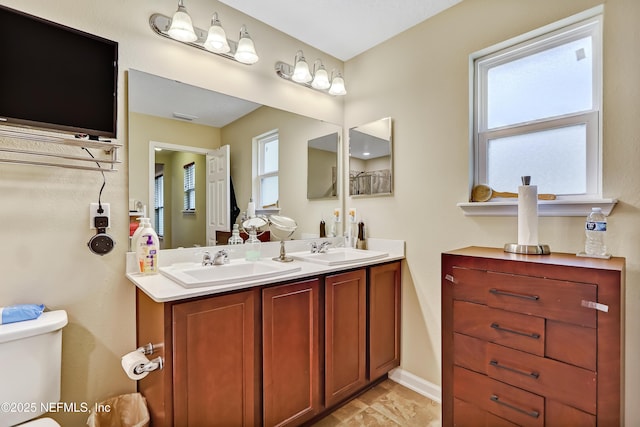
(206,258)
(221,257)
(320,248)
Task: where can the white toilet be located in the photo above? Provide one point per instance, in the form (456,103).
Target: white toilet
(30,362)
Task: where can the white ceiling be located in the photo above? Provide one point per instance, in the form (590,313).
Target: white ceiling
(341,28)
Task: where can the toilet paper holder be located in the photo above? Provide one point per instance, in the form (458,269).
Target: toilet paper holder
(147,349)
(151,365)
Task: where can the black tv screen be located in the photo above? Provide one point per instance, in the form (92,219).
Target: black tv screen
(56,77)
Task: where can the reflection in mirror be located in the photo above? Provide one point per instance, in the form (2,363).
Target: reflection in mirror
(322,167)
(370,162)
(163,111)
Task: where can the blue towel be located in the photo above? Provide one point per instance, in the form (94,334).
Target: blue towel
(18,313)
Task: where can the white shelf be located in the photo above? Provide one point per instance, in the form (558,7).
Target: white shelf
(556,207)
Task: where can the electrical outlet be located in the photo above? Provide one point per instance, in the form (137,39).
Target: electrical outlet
(93,213)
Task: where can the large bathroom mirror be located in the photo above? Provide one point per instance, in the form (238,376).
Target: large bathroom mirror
(370,159)
(188,119)
(322,167)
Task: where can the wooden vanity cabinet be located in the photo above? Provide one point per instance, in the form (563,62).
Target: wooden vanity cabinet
(530,340)
(212,365)
(345,335)
(384,304)
(277,355)
(291,353)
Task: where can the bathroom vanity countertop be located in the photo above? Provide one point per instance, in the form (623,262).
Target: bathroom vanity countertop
(162,289)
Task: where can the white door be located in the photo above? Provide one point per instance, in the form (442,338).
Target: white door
(218,193)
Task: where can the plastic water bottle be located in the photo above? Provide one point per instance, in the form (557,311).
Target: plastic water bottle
(596,230)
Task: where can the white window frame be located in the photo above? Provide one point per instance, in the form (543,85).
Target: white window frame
(189,188)
(589,22)
(158,205)
(258,166)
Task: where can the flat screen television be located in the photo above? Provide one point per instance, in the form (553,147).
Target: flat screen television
(55,77)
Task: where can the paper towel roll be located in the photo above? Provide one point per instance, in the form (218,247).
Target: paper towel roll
(528,215)
(132,360)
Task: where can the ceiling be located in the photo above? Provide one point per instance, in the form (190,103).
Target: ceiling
(341,28)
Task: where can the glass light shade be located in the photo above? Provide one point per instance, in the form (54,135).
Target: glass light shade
(337,86)
(217,38)
(321,79)
(181,26)
(301,73)
(246,51)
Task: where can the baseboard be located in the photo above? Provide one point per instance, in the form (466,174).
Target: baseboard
(417,384)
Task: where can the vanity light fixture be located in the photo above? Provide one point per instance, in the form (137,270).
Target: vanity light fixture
(319,79)
(180,28)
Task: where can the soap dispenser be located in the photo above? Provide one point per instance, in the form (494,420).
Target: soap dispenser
(253,245)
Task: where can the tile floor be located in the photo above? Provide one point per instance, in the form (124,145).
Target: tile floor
(387,404)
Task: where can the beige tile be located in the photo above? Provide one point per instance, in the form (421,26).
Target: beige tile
(387,404)
(350,409)
(369,418)
(407,411)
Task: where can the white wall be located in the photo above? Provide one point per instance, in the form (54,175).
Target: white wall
(421,80)
(44,212)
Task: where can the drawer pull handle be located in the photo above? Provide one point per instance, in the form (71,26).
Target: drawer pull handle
(495,363)
(524,334)
(514,295)
(450,278)
(533,414)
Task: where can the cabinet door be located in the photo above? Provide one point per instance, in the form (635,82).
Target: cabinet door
(345,335)
(215,361)
(291,351)
(384,319)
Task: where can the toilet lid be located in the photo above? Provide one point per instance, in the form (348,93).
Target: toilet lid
(40,422)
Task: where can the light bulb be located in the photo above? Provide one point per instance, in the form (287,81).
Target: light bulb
(337,86)
(321,79)
(246,51)
(181,26)
(301,73)
(217,38)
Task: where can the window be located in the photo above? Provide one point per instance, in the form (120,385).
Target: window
(190,187)
(159,205)
(537,111)
(265,188)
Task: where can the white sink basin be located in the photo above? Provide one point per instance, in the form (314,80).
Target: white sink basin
(195,275)
(339,256)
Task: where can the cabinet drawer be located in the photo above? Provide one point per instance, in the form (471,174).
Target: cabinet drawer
(468,415)
(552,299)
(505,401)
(572,344)
(470,285)
(515,330)
(550,378)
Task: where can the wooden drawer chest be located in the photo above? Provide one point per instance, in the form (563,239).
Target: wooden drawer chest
(531,340)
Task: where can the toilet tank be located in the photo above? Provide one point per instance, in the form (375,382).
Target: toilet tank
(30,361)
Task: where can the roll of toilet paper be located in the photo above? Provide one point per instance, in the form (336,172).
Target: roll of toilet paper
(528,215)
(132,360)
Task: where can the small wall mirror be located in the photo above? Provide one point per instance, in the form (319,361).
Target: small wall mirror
(370,162)
(322,167)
